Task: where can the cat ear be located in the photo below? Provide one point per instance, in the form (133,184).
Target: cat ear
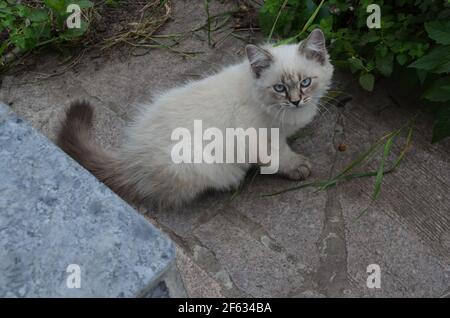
(259,59)
(314,46)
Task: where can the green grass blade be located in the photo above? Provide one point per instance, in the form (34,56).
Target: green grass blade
(405,148)
(366,156)
(311,18)
(276,19)
(388,141)
(248,181)
(398,160)
(380,173)
(300,134)
(333,181)
(304,185)
(305,27)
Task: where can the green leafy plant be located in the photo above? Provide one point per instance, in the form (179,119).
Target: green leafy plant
(414,36)
(26,27)
(437,61)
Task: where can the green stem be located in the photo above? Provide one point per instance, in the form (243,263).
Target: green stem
(276,19)
(346,174)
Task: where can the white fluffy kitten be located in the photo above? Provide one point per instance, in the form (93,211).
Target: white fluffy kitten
(274,87)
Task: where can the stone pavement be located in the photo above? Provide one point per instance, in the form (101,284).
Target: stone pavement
(299,244)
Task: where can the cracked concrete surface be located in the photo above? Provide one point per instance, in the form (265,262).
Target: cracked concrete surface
(298,244)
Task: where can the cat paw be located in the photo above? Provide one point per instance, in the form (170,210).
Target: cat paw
(300,172)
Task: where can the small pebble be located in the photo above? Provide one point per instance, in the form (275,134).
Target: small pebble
(342,147)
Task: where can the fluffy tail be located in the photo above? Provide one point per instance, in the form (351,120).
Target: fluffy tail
(74,138)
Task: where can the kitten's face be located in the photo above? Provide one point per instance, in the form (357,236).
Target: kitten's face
(291,77)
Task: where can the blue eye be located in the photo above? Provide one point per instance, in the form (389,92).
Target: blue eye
(279,88)
(306,82)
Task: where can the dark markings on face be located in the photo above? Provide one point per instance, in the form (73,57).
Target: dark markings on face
(294,92)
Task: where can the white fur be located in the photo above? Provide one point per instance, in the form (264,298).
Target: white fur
(231,98)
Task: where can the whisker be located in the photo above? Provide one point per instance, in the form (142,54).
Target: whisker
(320,111)
(324,106)
(324,109)
(284,115)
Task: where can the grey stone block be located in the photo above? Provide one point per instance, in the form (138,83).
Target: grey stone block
(54,213)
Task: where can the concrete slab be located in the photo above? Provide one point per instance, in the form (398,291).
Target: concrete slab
(65,234)
(298,244)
